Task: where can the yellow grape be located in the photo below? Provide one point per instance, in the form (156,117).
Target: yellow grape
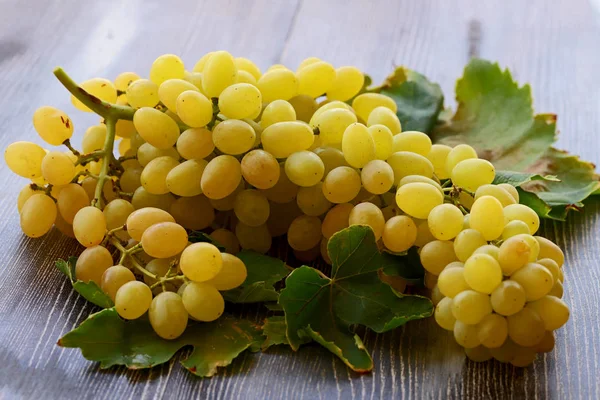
(487,216)
(124,79)
(202,301)
(201,262)
(142,93)
(219,72)
(94,138)
(466,335)
(445,221)
(201,63)
(97,87)
(523,213)
(482,273)
(368,214)
(91,264)
(304,168)
(154,175)
(147,153)
(436,254)
(331,157)
(383,139)
(478,354)
(133,299)
(552,266)
(419,178)
(547,249)
(158,129)
(417,199)
(341,185)
(467,242)
(378,177)
(526,328)
(278,84)
(284,138)
(304,106)
(57,168)
(195,143)
(535,279)
(336,219)
(241,100)
(307,61)
(260,169)
(553,311)
(399,233)
(470,307)
(533,244)
(140,220)
(113,278)
(194,109)
(492,331)
(168,316)
(247,65)
(221,177)
(193,213)
(513,254)
(472,173)
(89,226)
(312,201)
(496,191)
(141,198)
(438,155)
(167,66)
(458,154)
(332,124)
(227,239)
(488,249)
(405,163)
(25,159)
(37,215)
(451,280)
(169,91)
(347,83)
(547,343)
(315,79)
(115,214)
(358,145)
(414,141)
(511,190)
(89,185)
(71,199)
(326,106)
(25,194)
(304,233)
(164,240)
(251,207)
(384,116)
(443,314)
(277,111)
(514,228)
(364,103)
(53,125)
(283,191)
(184,179)
(232,274)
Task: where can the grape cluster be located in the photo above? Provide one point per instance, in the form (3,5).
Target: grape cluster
(246,157)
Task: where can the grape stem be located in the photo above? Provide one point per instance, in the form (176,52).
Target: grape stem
(86,158)
(67,143)
(106,158)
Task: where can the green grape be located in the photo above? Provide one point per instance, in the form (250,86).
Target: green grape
(332,124)
(331,157)
(141,219)
(304,106)
(168,315)
(507,352)
(184,179)
(437,156)
(91,264)
(451,281)
(169,91)
(278,84)
(315,79)
(53,125)
(383,139)
(336,219)
(443,314)
(260,169)
(487,217)
(492,331)
(251,207)
(201,262)
(312,201)
(547,249)
(221,177)
(284,138)
(436,254)
(341,185)
(227,239)
(142,93)
(141,199)
(445,221)
(277,111)
(508,298)
(478,354)
(417,199)
(358,145)
(115,214)
(466,335)
(457,154)
(195,143)
(71,199)
(148,152)
(466,242)
(552,266)
(364,103)
(124,79)
(384,116)
(482,273)
(514,228)
(38,215)
(470,307)
(553,311)
(57,168)
(304,233)
(347,83)
(547,343)
(405,163)
(523,213)
(89,226)
(164,239)
(526,327)
(496,191)
(511,190)
(488,249)
(232,274)
(399,234)
(154,175)
(535,279)
(368,214)
(201,63)
(241,100)
(304,168)
(414,141)
(244,64)
(308,61)
(377,177)
(472,173)
(25,194)
(513,254)
(157,128)
(203,302)
(326,106)
(194,213)
(218,73)
(419,178)
(133,299)
(97,87)
(167,66)
(194,109)
(25,159)
(113,278)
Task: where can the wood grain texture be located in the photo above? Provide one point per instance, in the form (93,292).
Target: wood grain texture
(551,45)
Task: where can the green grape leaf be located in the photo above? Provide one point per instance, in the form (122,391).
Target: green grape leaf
(110,340)
(90,290)
(521,178)
(274,330)
(197,236)
(419,101)
(407,266)
(263,273)
(324,309)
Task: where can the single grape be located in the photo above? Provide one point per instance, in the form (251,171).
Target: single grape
(53,125)
(326,106)
(377,177)
(383,139)
(458,154)
(438,155)
(341,185)
(384,116)
(368,214)
(164,240)
(154,175)
(142,93)
(511,190)
(482,273)
(535,279)
(547,249)
(492,331)
(141,199)
(304,168)
(201,261)
(305,106)
(240,100)
(331,157)
(414,141)
(496,191)
(553,311)
(232,274)
(113,278)
(466,335)
(89,226)
(167,66)
(358,145)
(244,64)
(284,138)
(533,244)
(202,301)
(277,84)
(466,242)
(194,213)
(405,163)
(168,315)
(115,215)
(227,239)
(37,215)
(445,221)
(201,63)
(400,233)
(419,178)
(478,354)
(452,281)
(133,299)
(146,153)
(347,83)
(195,143)
(304,233)
(557,290)
(257,238)
(526,328)
(194,108)
(336,219)
(332,124)
(312,201)
(124,79)
(91,264)
(251,207)
(184,179)
(470,307)
(277,111)
(418,199)
(260,169)
(157,128)
(523,213)
(169,91)
(488,249)
(57,168)
(101,88)
(218,73)
(315,79)
(513,254)
(221,177)
(71,199)
(89,185)
(472,173)
(25,194)
(547,343)
(552,266)
(508,298)
(514,228)
(364,103)
(487,217)
(443,314)
(436,255)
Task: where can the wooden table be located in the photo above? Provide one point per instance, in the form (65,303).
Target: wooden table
(553,45)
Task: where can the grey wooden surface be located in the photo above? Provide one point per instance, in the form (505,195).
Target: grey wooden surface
(551,44)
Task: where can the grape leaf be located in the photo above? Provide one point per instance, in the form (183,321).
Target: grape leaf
(324,309)
(521,178)
(110,340)
(90,290)
(263,273)
(407,266)
(274,330)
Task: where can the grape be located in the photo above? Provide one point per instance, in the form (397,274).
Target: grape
(552,266)
(332,124)
(523,213)
(203,302)
(232,274)
(533,245)
(167,66)
(514,228)
(430,281)
(445,221)
(284,138)
(193,213)
(472,173)
(146,153)
(547,343)
(305,106)
(492,331)
(169,91)
(419,178)
(405,163)
(195,143)
(553,311)
(113,278)
(384,116)
(364,103)
(277,84)
(184,179)
(513,254)
(241,100)
(507,352)
(158,129)
(466,242)
(124,79)
(227,202)
(331,157)
(526,328)
(53,125)
(466,223)
(377,177)
(383,139)
(277,111)
(466,335)
(227,239)
(201,262)
(458,154)
(307,61)
(418,199)
(245,77)
(368,214)
(436,255)
(141,199)
(466,200)
(91,264)
(315,79)
(487,217)
(159,267)
(89,226)
(304,168)
(304,233)
(133,299)
(347,83)
(251,207)
(25,159)
(470,307)
(535,279)
(511,190)
(247,65)
(141,219)
(164,240)
(124,147)
(89,185)
(508,298)
(37,215)
(496,191)
(260,169)
(336,219)
(221,177)
(255,238)
(414,141)
(218,73)
(154,175)
(452,282)
(557,290)
(142,93)
(194,109)
(71,199)
(201,63)
(167,315)
(115,214)
(329,106)
(482,273)
(97,87)
(443,314)
(341,185)
(25,194)
(358,145)
(478,354)
(438,155)
(312,201)
(547,249)
(399,233)
(524,357)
